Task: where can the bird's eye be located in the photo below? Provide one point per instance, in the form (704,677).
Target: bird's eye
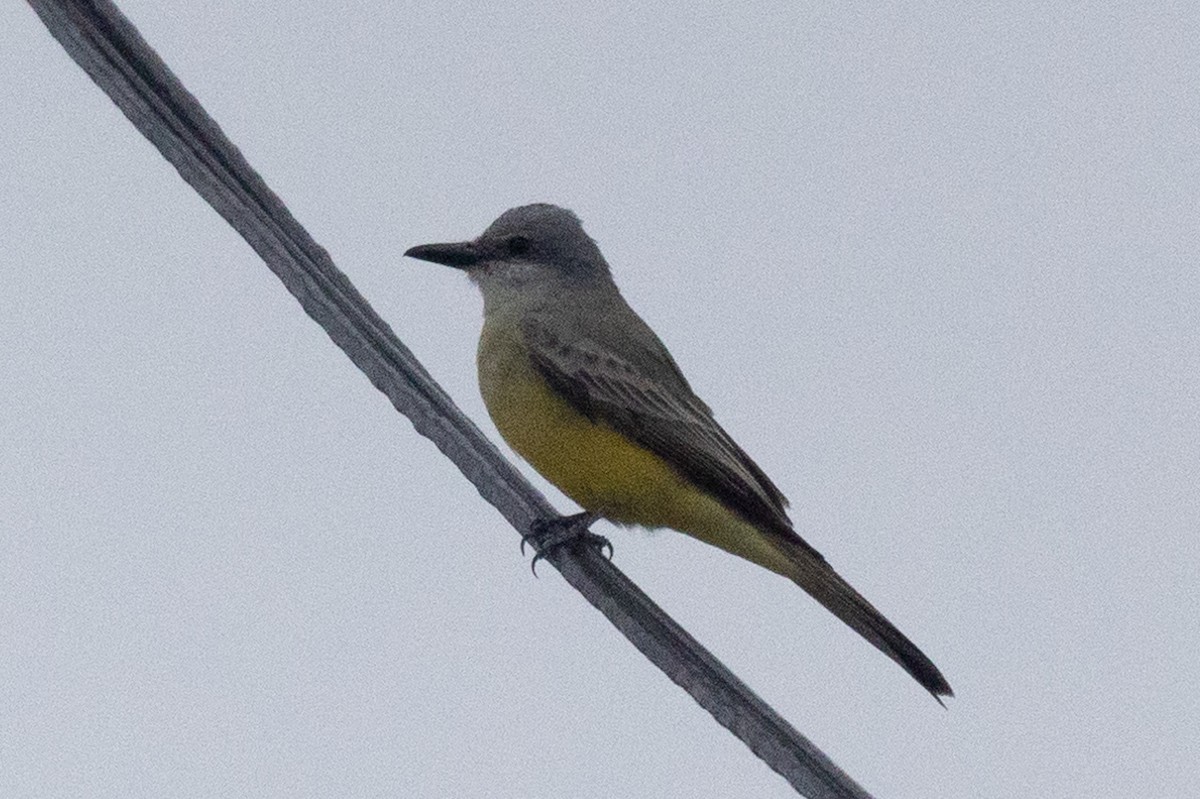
(518,245)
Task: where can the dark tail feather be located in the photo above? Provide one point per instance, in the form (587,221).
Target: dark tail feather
(817,577)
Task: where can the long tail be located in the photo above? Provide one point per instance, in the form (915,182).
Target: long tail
(812,573)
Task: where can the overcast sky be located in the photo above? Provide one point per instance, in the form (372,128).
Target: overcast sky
(935,268)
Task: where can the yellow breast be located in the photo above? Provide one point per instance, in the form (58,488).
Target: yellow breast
(592,464)
(595,466)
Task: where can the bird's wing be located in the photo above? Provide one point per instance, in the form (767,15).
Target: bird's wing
(643,396)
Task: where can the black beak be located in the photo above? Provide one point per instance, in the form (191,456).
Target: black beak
(460,254)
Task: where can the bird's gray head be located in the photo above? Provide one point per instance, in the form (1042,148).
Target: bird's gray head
(531,244)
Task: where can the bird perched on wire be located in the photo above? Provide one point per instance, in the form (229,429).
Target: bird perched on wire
(583,389)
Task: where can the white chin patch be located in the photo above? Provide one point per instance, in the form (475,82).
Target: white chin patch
(506,275)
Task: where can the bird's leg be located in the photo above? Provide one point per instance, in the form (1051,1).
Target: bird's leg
(548,534)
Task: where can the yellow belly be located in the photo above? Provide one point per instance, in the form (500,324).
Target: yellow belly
(601,470)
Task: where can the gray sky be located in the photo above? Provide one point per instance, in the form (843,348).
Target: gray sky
(935,269)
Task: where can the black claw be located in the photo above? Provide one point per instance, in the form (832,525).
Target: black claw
(548,534)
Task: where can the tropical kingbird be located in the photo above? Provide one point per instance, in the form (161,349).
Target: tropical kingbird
(583,389)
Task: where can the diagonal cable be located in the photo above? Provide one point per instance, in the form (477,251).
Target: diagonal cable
(107,46)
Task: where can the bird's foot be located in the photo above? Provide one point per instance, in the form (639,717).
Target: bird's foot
(548,534)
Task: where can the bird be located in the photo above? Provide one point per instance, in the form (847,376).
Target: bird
(583,390)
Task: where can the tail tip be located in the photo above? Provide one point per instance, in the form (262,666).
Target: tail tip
(939,688)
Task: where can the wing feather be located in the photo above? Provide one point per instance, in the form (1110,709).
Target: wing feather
(652,404)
